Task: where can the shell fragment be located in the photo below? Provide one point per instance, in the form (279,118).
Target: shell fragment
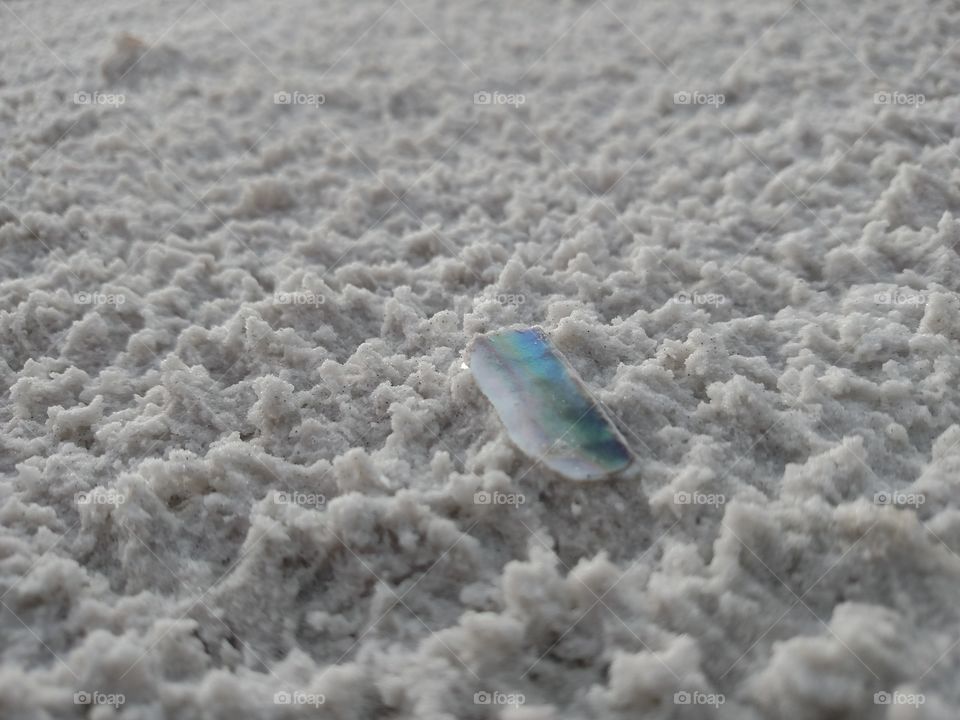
(545,407)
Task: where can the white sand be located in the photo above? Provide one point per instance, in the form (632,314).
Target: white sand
(208,299)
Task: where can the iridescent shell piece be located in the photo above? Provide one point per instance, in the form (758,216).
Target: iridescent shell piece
(545,407)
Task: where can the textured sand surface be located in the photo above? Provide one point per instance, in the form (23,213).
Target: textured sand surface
(239,327)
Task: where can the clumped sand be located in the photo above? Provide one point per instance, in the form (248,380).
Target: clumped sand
(240,451)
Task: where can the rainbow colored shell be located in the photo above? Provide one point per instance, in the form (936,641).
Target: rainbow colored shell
(546,409)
